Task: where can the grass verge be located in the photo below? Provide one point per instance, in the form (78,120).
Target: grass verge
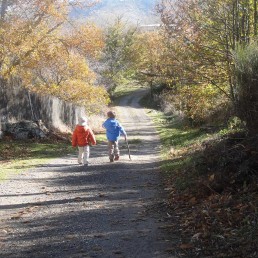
(17,156)
(180,147)
(101,137)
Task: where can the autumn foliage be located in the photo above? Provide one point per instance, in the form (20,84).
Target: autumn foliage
(194,54)
(41,46)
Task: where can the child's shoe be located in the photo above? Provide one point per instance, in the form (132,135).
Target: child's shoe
(111,158)
(117,157)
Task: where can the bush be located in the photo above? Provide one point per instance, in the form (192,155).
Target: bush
(198,103)
(246,67)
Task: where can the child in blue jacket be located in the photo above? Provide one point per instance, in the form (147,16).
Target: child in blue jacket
(113,132)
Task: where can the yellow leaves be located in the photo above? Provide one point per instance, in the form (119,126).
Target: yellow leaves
(92,97)
(211,177)
(56,9)
(31,36)
(35,48)
(87,39)
(66,76)
(197,102)
(78,68)
(150,50)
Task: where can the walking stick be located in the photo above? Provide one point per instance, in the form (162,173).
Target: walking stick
(128,149)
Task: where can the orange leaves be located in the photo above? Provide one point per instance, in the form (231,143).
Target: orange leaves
(35,48)
(217,220)
(186,246)
(88,39)
(66,76)
(57,9)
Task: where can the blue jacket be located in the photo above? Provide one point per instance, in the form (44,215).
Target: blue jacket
(113,129)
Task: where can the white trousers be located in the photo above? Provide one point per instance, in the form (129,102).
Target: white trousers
(84,154)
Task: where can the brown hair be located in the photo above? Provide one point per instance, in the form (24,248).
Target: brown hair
(111,114)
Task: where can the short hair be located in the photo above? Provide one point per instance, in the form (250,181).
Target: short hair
(111,114)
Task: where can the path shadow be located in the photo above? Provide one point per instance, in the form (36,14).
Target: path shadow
(104,216)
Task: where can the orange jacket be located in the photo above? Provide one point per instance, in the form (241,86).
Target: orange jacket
(83,136)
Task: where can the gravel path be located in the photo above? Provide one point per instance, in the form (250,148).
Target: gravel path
(105,210)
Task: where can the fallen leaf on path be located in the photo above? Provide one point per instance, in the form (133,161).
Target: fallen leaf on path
(186,246)
(70,237)
(166,227)
(193,200)
(211,178)
(17,216)
(31,208)
(48,193)
(26,222)
(98,206)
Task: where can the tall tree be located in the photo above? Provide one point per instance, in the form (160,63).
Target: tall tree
(34,38)
(207,33)
(118,55)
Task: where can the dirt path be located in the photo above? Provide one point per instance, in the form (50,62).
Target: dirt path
(106,210)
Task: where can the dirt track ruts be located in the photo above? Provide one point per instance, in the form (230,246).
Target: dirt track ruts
(105,210)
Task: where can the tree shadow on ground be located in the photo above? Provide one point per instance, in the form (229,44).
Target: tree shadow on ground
(107,212)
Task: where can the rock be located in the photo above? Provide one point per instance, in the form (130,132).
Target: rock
(26,130)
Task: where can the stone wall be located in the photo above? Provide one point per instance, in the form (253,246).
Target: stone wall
(18,104)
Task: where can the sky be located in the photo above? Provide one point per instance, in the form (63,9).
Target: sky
(141,12)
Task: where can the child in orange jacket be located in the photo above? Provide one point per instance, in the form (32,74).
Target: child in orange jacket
(83,137)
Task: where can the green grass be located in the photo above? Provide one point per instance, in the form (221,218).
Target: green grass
(174,134)
(101,138)
(124,90)
(17,156)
